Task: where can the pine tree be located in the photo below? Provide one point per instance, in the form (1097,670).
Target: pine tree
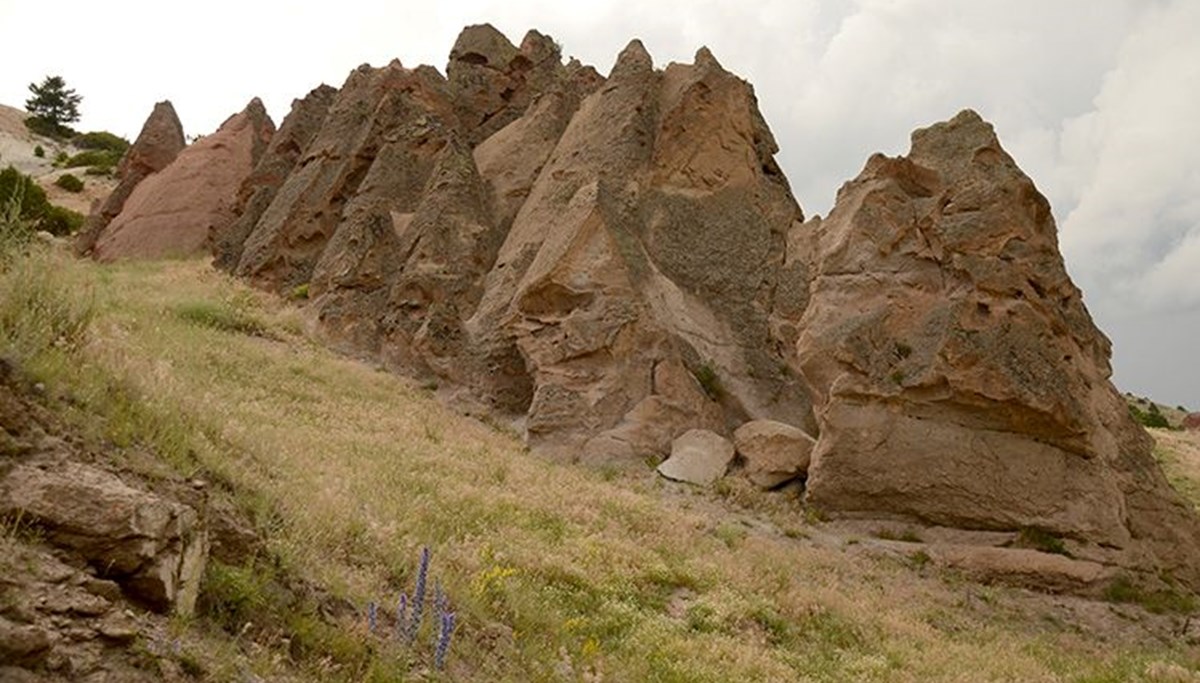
(52,106)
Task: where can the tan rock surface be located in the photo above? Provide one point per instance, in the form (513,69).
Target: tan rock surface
(174,212)
(698,456)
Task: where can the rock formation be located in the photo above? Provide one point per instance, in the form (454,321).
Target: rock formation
(956,375)
(617,261)
(1192,421)
(160,141)
(276,164)
(175,212)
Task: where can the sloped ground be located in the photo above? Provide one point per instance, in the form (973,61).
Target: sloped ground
(555,572)
(17,147)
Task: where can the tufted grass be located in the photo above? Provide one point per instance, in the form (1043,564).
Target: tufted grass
(556,572)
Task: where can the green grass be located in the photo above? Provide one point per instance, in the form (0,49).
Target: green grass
(1041,540)
(556,572)
(220,316)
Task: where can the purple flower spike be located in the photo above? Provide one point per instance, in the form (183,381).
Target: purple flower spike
(443,642)
(371,616)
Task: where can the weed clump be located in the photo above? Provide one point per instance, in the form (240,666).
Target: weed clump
(706,375)
(69,182)
(1169,601)
(221,317)
(1041,540)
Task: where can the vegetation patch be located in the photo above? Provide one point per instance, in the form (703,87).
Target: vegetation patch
(23,198)
(706,375)
(1041,540)
(1151,417)
(1166,601)
(222,317)
(69,182)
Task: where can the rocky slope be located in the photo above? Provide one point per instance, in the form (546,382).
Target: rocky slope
(617,261)
(91,554)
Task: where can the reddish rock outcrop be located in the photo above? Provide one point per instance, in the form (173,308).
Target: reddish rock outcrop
(258,190)
(1192,421)
(160,141)
(957,377)
(175,211)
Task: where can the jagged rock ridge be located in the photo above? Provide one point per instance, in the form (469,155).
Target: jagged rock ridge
(618,260)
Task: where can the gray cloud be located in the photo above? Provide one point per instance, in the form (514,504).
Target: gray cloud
(1095,100)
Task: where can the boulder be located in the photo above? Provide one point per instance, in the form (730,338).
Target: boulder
(970,387)
(278,161)
(155,548)
(160,141)
(1191,422)
(774,452)
(699,457)
(175,212)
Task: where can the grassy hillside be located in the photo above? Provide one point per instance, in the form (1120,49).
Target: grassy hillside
(555,572)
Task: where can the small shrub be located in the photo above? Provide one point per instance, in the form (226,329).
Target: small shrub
(103,140)
(98,158)
(39,152)
(47,128)
(299,292)
(98,171)
(1149,418)
(69,182)
(909,535)
(61,159)
(35,209)
(61,221)
(920,559)
(1041,540)
(706,375)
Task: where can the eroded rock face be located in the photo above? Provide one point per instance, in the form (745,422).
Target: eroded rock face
(958,378)
(176,211)
(278,160)
(1192,421)
(383,129)
(659,198)
(160,141)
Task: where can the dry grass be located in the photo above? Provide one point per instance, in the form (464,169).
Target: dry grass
(1179,454)
(556,572)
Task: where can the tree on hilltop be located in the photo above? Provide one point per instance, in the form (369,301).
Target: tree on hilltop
(52,107)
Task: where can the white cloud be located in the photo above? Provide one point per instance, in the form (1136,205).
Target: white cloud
(1132,165)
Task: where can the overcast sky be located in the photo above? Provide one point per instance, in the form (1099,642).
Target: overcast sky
(1098,101)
